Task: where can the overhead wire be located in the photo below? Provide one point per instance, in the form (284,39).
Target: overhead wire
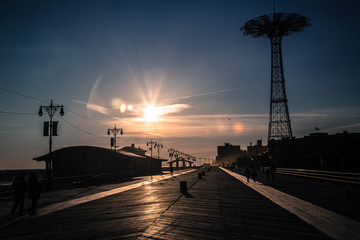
(82,130)
(23,95)
(41,100)
(17,113)
(81,115)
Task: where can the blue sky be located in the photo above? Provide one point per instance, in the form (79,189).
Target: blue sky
(169,71)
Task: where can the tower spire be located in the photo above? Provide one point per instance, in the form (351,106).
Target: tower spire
(274,7)
(275,27)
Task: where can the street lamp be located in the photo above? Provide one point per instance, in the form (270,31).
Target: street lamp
(151,143)
(114,131)
(50,129)
(151,146)
(158,146)
(171,153)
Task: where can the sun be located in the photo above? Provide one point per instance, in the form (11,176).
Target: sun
(151,113)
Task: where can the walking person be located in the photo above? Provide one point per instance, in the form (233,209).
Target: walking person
(247,174)
(272,171)
(19,188)
(34,190)
(253,173)
(171,170)
(267,172)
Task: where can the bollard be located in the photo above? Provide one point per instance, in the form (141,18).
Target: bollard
(183,186)
(199,175)
(203,173)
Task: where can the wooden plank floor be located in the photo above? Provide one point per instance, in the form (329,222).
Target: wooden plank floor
(330,223)
(216,207)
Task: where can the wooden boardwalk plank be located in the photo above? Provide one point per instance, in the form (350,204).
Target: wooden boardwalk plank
(216,207)
(330,223)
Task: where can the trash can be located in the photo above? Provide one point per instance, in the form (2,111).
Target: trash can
(183,186)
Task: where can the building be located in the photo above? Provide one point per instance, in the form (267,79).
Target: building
(321,151)
(228,154)
(88,160)
(256,150)
(132,149)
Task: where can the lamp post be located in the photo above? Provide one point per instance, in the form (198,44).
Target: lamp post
(171,154)
(115,131)
(151,143)
(158,146)
(50,129)
(151,146)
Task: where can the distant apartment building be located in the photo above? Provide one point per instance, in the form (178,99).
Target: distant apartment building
(229,154)
(335,152)
(255,150)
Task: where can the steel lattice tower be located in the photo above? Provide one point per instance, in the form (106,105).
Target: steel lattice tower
(275,27)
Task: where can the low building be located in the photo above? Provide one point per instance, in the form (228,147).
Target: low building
(88,160)
(320,151)
(228,154)
(255,150)
(133,149)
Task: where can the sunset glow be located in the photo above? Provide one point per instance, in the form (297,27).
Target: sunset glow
(152,113)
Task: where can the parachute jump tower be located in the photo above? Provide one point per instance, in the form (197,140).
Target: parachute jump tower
(276,26)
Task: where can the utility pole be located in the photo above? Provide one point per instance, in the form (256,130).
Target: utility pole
(50,129)
(114,131)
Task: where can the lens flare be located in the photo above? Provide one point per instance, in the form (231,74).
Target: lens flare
(238,128)
(123,108)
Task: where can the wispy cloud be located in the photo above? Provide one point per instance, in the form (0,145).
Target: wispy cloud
(94,107)
(207,93)
(347,127)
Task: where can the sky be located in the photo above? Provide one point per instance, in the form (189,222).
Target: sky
(180,73)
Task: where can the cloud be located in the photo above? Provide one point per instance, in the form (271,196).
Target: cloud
(174,108)
(208,93)
(347,127)
(94,107)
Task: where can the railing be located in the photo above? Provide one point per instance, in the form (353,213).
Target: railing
(343,177)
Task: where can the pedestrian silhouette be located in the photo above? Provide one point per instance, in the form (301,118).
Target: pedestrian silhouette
(272,171)
(171,170)
(247,174)
(253,173)
(34,190)
(267,172)
(19,187)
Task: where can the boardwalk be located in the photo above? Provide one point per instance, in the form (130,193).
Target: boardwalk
(218,206)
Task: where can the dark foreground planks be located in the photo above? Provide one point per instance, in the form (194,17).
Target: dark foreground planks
(216,207)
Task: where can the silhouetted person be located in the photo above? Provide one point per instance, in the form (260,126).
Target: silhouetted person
(247,174)
(34,190)
(171,170)
(253,173)
(267,172)
(272,171)
(19,187)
